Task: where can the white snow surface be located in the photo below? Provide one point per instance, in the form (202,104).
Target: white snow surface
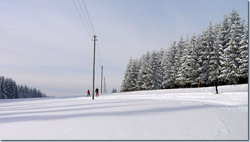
(172,114)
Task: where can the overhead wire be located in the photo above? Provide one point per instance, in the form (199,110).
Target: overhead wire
(86,18)
(99,53)
(82,20)
(86,9)
(90,28)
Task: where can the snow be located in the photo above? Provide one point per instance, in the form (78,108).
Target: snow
(173,114)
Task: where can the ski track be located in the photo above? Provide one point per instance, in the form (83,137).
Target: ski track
(177,114)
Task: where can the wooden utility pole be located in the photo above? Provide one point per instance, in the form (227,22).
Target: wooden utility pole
(94,70)
(104,85)
(101,78)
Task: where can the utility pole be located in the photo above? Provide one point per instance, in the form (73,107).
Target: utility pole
(94,70)
(104,86)
(101,78)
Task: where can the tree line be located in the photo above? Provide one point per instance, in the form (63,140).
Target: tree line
(10,90)
(221,51)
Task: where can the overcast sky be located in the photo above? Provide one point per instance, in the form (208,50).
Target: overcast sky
(44,44)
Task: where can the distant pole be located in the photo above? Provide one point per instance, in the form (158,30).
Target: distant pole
(106,88)
(94,70)
(101,78)
(104,85)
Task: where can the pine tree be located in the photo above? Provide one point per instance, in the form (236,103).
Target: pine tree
(179,53)
(160,56)
(173,65)
(34,93)
(26,92)
(166,67)
(182,76)
(243,53)
(19,92)
(191,62)
(221,43)
(39,94)
(210,55)
(204,57)
(231,52)
(139,83)
(153,77)
(9,88)
(14,86)
(3,93)
(214,53)
(131,76)
(126,81)
(143,72)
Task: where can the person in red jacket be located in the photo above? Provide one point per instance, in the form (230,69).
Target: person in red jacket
(97,90)
(88,93)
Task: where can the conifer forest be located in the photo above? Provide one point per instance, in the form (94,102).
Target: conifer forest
(221,51)
(10,90)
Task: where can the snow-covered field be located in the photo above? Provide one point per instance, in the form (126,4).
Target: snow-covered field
(176,114)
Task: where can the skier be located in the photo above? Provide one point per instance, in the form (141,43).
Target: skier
(97,90)
(88,93)
(216,84)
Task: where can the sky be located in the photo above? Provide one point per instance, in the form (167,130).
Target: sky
(44,43)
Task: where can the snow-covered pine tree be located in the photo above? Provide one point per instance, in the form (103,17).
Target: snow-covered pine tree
(123,86)
(216,58)
(126,81)
(39,94)
(134,74)
(179,53)
(208,43)
(204,57)
(199,50)
(191,62)
(152,78)
(166,65)
(2,88)
(182,77)
(30,92)
(173,62)
(214,53)
(160,55)
(44,95)
(34,93)
(19,92)
(243,53)
(26,92)
(131,76)
(9,88)
(143,72)
(231,52)
(221,43)
(1,96)
(14,86)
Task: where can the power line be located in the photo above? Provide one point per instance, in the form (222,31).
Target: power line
(85,18)
(82,19)
(88,15)
(99,53)
(89,27)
